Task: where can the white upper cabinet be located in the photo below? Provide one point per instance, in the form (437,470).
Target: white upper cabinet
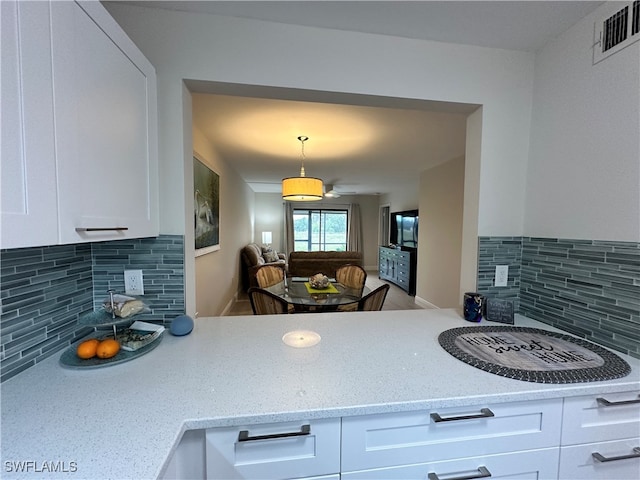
(97,159)
(105,109)
(27,162)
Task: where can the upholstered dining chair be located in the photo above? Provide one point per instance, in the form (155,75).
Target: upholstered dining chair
(269,275)
(264,302)
(352,276)
(374,300)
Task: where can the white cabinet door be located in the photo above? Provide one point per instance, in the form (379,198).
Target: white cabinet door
(529,465)
(188,459)
(595,418)
(28,201)
(105,111)
(617,460)
(274,451)
(372,441)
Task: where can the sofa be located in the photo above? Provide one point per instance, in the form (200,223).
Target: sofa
(253,257)
(305,264)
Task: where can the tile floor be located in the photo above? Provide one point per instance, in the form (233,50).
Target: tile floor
(397,299)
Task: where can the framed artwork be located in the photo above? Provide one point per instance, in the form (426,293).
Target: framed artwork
(206,205)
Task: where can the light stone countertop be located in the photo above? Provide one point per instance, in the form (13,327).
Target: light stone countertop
(124,421)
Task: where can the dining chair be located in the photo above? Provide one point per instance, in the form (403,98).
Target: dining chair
(269,275)
(352,276)
(373,301)
(264,302)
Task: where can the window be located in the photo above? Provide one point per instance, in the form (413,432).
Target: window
(319,230)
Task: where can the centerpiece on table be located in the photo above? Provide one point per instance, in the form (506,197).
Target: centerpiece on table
(319,281)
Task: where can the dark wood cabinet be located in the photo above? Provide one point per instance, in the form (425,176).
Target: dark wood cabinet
(398,266)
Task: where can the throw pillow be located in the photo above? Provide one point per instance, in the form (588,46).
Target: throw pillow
(270,256)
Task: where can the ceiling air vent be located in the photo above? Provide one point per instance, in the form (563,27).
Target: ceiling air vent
(617,30)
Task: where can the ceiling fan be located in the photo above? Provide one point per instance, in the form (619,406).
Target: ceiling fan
(330,191)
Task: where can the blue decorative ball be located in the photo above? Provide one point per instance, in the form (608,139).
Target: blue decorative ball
(181,325)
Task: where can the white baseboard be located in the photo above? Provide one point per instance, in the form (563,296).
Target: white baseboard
(229,305)
(424,304)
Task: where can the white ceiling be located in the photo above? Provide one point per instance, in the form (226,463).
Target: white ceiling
(524,25)
(365,145)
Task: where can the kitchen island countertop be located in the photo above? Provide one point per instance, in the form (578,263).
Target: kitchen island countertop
(124,421)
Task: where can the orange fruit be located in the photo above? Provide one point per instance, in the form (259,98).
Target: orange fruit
(108,348)
(87,349)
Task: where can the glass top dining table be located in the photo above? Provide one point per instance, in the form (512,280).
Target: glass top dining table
(296,293)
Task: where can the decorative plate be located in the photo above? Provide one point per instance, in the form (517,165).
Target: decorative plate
(69,359)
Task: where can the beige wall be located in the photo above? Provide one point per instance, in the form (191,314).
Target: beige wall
(440,233)
(217,274)
(269,217)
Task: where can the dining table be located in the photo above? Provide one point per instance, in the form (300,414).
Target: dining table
(298,292)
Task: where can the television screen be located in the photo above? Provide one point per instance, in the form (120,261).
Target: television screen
(404,228)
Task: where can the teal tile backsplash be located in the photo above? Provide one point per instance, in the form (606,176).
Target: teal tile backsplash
(44,290)
(589,288)
(586,287)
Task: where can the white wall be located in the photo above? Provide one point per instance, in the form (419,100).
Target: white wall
(406,199)
(584,169)
(440,234)
(209,47)
(217,274)
(222,49)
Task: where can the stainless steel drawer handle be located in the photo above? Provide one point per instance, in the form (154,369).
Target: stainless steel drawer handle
(484,413)
(99,229)
(482,473)
(602,458)
(243,436)
(606,403)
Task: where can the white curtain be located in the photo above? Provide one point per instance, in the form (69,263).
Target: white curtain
(288,228)
(354,229)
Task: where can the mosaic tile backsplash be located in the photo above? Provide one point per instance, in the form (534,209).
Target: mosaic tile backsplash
(588,288)
(44,290)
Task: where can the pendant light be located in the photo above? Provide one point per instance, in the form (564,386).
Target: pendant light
(302,188)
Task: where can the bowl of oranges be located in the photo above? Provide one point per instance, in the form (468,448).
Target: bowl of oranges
(98,352)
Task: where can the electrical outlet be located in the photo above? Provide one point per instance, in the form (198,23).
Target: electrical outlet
(502,275)
(133,284)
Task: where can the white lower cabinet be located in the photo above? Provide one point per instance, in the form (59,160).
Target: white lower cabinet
(617,460)
(590,437)
(272,451)
(595,418)
(188,459)
(374,441)
(601,437)
(530,465)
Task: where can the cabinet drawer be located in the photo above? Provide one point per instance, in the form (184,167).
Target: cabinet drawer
(403,276)
(415,437)
(277,450)
(533,465)
(577,462)
(595,418)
